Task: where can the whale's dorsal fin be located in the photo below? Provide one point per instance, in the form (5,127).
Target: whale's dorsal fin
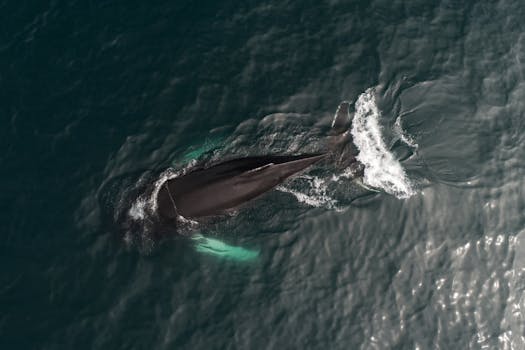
(342,120)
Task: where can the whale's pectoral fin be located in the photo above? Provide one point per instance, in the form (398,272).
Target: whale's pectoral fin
(213,246)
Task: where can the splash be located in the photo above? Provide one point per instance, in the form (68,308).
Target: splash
(382,170)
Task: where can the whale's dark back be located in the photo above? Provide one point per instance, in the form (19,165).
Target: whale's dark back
(226,185)
(238,166)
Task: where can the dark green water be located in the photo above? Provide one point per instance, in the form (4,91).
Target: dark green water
(97,95)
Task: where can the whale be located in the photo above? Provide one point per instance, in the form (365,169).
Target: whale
(225,186)
(188,202)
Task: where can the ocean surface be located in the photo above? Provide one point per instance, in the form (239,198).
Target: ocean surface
(425,251)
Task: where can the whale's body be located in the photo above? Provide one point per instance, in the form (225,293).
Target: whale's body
(225,186)
(219,188)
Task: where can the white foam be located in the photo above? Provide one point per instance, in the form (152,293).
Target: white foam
(317,196)
(406,138)
(146,204)
(382,170)
(165,176)
(138,209)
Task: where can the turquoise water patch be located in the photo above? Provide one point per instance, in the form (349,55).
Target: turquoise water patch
(209,144)
(212,246)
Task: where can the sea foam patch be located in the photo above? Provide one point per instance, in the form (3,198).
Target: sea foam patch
(316,194)
(382,169)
